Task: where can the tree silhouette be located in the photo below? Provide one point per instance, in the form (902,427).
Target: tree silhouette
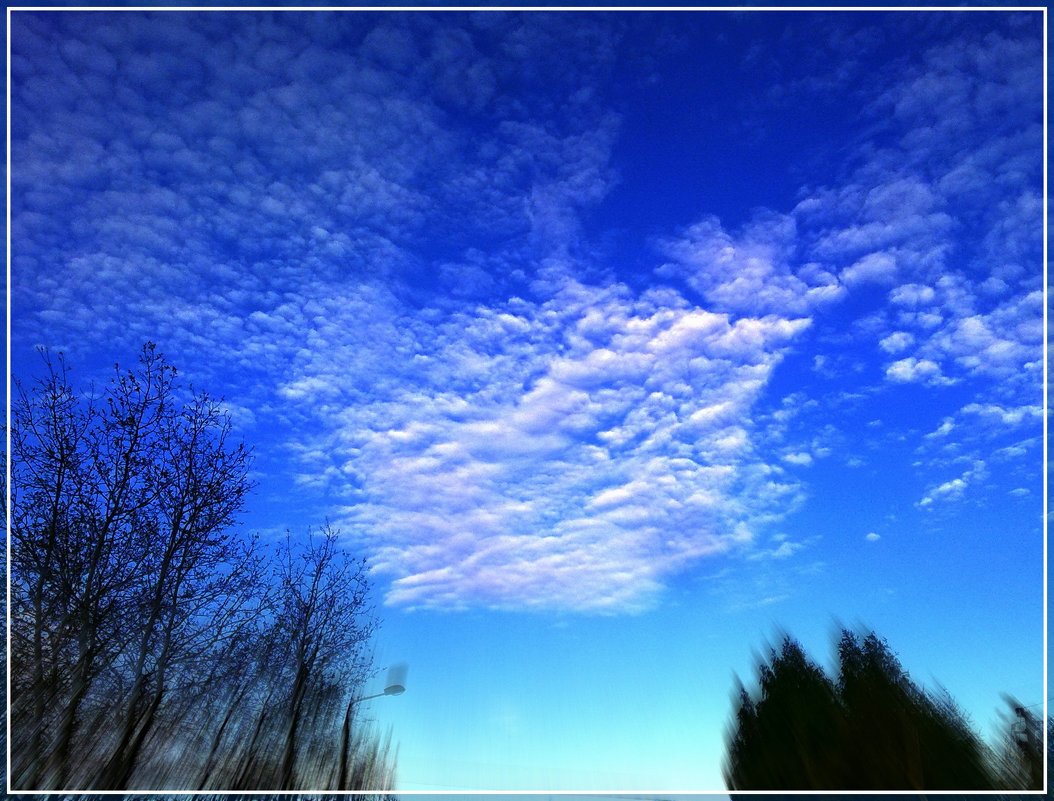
(125,566)
(1019,754)
(788,733)
(871,729)
(153,645)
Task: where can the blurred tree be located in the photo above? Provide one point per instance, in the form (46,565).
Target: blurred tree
(325,623)
(873,729)
(125,569)
(153,645)
(791,734)
(1019,755)
(904,738)
(282,724)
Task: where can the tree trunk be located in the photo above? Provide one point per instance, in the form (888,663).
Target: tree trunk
(126,766)
(210,761)
(58,766)
(345,736)
(289,757)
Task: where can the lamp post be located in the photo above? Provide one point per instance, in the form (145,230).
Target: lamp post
(391,689)
(395,685)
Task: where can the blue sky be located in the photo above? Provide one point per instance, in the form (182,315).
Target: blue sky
(616,341)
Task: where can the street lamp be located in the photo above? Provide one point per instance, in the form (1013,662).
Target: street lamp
(395,685)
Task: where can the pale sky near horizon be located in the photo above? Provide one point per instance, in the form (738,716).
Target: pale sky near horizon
(618,342)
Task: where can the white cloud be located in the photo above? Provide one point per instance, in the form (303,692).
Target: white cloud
(896,342)
(900,196)
(994,285)
(572,449)
(875,268)
(948,491)
(1004,343)
(1008,417)
(912,295)
(781,547)
(537,454)
(752,273)
(873,537)
(954,489)
(911,370)
(784,550)
(945,428)
(975,201)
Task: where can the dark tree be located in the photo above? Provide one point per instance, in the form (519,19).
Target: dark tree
(153,645)
(1019,755)
(289,719)
(324,625)
(125,567)
(790,734)
(872,729)
(905,738)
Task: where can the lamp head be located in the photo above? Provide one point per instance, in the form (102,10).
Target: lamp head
(396,683)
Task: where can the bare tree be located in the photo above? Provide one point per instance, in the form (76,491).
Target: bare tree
(123,559)
(81,486)
(195,583)
(154,646)
(322,628)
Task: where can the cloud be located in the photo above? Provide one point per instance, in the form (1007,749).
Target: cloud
(955,226)
(1008,417)
(880,268)
(948,491)
(1006,342)
(752,273)
(912,370)
(896,342)
(954,489)
(407,286)
(945,428)
(912,295)
(546,449)
(783,550)
(203,202)
(872,537)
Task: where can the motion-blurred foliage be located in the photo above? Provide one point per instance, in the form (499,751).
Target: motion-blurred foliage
(870,728)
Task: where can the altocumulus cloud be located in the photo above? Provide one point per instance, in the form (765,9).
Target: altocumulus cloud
(571,445)
(401,284)
(571,453)
(180,172)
